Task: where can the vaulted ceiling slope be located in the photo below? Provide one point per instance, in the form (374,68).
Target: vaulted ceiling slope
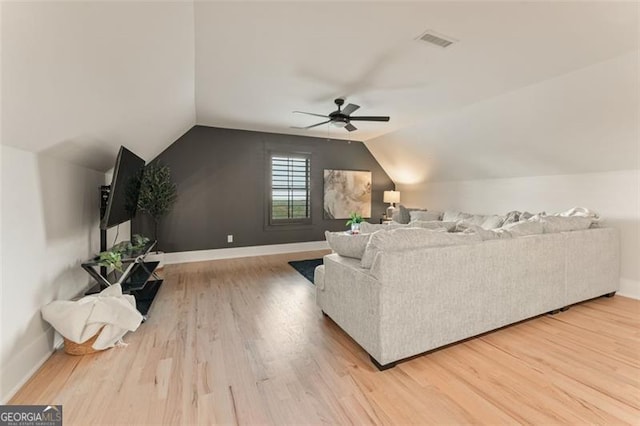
(81,78)
(584,121)
(257,62)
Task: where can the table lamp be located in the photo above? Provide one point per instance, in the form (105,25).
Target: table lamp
(391,197)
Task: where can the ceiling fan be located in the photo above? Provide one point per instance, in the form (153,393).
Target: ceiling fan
(341,117)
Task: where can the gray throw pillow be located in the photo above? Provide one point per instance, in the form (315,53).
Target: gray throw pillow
(347,245)
(425,215)
(403,214)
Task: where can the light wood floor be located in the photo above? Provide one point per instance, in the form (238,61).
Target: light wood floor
(242,342)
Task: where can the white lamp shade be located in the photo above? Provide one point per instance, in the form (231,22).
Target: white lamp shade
(391,197)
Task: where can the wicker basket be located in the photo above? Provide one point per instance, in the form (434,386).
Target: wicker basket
(84,348)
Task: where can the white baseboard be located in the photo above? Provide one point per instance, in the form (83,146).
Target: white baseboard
(229,253)
(629,288)
(4,399)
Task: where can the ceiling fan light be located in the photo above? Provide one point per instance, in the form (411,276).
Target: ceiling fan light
(339,123)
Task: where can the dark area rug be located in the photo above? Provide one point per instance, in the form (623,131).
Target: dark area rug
(306,267)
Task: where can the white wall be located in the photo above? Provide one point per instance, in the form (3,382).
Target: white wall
(49,226)
(615,195)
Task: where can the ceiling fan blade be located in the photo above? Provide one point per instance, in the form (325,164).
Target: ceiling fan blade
(313,125)
(369,118)
(350,127)
(349,109)
(311,113)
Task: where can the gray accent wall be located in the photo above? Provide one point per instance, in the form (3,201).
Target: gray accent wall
(222,174)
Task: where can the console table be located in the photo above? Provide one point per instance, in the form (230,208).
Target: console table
(135,279)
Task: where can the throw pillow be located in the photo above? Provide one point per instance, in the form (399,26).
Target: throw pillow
(488,234)
(369,228)
(553,224)
(476,219)
(493,222)
(450,216)
(582,212)
(411,238)
(511,217)
(521,229)
(454,216)
(401,214)
(347,245)
(424,215)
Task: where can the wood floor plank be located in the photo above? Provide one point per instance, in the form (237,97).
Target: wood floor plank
(241,341)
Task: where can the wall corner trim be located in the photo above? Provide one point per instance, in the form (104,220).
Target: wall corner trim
(233,252)
(629,288)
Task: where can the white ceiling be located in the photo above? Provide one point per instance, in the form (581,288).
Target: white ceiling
(257,62)
(81,78)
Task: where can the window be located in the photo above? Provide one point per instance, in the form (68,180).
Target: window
(290,198)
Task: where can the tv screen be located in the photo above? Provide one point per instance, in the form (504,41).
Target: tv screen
(125,186)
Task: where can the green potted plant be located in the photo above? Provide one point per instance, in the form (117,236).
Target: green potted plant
(355,219)
(157,195)
(110,259)
(138,243)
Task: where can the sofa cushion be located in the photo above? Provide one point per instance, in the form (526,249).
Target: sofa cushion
(369,228)
(521,229)
(424,215)
(348,245)
(552,224)
(411,238)
(433,224)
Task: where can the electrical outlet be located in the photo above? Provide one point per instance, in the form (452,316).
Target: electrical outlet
(229,238)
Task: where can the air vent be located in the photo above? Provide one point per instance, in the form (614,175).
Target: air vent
(436,39)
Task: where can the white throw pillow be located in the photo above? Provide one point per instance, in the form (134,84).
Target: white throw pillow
(455,216)
(428,215)
(488,234)
(521,229)
(347,245)
(411,238)
(552,224)
(476,219)
(582,212)
(493,222)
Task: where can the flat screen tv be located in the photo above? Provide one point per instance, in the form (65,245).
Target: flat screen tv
(125,186)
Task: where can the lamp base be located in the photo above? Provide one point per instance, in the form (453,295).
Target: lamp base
(390,211)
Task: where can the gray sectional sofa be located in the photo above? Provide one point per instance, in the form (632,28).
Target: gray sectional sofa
(408,299)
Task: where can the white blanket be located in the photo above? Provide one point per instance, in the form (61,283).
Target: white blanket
(80,320)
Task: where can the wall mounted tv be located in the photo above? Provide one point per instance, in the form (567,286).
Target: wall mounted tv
(125,186)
